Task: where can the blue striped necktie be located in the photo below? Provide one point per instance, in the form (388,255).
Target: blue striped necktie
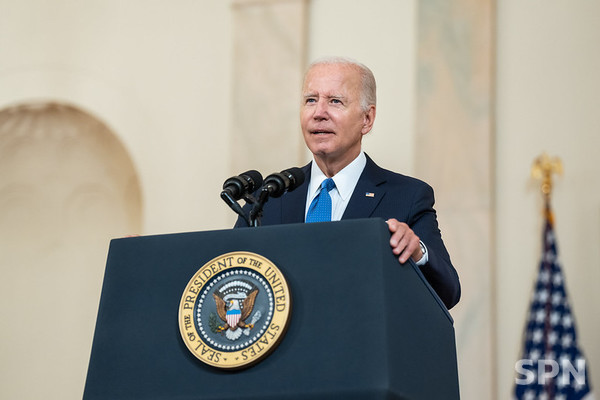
(320,208)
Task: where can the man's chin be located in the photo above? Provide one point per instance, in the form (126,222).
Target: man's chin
(320,149)
(320,140)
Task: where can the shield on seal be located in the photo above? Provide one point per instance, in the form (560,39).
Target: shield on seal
(233,317)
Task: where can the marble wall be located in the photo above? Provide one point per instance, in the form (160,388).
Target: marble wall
(454,153)
(268,67)
(66,185)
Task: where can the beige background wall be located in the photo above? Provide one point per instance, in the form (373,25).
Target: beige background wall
(162,77)
(548,92)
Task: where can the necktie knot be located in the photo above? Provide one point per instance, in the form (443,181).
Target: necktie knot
(328,184)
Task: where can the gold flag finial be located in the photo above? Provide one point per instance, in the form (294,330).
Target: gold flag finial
(543,168)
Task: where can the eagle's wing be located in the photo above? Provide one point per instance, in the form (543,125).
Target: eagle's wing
(248,304)
(221,308)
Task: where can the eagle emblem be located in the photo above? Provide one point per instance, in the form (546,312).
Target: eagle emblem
(235,303)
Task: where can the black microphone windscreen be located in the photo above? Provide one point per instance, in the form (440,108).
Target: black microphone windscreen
(254,179)
(296,177)
(243,184)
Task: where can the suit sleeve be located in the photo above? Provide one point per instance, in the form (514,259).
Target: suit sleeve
(438,271)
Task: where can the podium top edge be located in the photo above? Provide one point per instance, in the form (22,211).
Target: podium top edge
(366,221)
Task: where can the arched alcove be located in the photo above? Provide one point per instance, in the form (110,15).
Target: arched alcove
(67,186)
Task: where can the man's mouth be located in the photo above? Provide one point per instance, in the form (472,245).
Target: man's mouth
(321,132)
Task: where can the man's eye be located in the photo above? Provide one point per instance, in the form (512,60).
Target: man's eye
(336,101)
(310,101)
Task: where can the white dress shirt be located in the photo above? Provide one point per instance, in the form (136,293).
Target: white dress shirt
(345,182)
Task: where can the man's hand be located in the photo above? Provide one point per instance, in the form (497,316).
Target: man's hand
(404,242)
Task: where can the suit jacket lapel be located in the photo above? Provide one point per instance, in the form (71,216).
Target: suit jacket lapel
(368,192)
(292,209)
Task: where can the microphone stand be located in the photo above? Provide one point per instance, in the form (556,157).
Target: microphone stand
(257,210)
(234,205)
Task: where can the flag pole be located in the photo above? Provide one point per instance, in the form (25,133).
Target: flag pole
(543,168)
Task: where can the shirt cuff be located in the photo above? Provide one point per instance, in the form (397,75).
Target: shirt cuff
(425,256)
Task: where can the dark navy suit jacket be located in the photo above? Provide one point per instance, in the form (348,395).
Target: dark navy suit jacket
(397,196)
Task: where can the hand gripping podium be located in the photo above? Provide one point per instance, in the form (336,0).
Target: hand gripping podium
(361,326)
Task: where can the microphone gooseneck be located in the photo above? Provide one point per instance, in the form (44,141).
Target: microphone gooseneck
(275,185)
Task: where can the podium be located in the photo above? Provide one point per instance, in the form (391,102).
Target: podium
(362,326)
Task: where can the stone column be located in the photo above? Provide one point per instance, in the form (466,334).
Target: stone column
(455,154)
(269,60)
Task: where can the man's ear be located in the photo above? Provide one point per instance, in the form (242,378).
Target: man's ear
(368,120)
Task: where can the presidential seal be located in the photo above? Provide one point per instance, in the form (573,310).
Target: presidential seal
(234,310)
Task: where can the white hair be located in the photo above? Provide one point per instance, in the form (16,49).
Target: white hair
(368,93)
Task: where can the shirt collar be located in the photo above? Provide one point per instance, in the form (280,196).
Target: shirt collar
(345,180)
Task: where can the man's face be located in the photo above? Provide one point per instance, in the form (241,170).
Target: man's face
(331,116)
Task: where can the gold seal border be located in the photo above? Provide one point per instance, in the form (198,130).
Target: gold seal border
(266,342)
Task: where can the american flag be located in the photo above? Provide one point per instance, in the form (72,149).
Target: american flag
(551,367)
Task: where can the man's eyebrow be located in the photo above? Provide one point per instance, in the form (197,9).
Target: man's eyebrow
(331,96)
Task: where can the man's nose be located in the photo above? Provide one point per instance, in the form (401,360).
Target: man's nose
(321,110)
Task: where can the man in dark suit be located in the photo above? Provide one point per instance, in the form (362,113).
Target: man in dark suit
(338,109)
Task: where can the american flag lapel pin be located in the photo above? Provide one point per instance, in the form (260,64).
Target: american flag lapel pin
(369,194)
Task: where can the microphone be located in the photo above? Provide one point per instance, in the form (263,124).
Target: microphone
(285,181)
(239,186)
(275,185)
